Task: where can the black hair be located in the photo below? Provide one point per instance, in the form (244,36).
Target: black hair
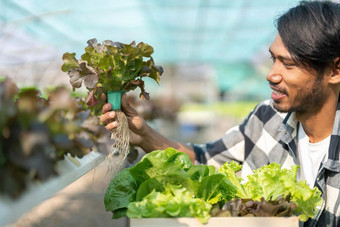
(311,33)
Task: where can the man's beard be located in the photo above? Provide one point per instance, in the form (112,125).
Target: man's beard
(307,100)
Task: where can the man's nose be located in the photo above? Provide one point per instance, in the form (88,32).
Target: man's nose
(274,75)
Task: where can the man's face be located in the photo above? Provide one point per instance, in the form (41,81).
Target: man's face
(294,87)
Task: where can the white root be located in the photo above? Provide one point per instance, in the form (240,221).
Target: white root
(121,145)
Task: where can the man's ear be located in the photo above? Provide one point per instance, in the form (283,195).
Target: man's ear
(335,78)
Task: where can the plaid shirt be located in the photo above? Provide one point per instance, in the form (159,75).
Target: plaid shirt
(268,136)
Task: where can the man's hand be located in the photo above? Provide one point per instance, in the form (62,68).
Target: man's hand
(141,134)
(136,123)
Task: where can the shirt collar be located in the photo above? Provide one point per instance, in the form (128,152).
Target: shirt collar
(332,163)
(289,128)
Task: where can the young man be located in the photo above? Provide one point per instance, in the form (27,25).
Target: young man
(300,125)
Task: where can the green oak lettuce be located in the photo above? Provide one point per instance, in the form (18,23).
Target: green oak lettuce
(230,169)
(271,182)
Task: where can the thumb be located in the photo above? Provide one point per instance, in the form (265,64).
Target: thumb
(125,106)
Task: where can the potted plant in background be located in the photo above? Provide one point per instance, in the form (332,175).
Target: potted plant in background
(39,132)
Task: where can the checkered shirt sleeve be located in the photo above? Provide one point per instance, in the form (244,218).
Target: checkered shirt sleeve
(251,143)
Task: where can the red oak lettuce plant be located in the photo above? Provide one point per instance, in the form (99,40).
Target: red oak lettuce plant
(111,66)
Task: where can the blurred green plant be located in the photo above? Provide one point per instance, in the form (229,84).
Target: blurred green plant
(237,110)
(38,132)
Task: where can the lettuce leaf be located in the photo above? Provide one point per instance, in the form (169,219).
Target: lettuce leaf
(268,182)
(174,201)
(307,199)
(198,172)
(122,190)
(159,183)
(161,162)
(271,182)
(230,169)
(208,187)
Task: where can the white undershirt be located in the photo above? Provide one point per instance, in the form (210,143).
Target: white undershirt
(310,156)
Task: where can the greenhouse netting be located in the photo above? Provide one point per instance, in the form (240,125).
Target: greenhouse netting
(231,36)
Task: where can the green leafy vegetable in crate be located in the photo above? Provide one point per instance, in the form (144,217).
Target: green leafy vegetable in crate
(146,189)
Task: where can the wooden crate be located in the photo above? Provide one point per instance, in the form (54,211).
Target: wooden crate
(216,222)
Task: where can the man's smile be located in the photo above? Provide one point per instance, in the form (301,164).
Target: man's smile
(277,94)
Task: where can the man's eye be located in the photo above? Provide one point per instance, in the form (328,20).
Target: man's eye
(288,64)
(273,58)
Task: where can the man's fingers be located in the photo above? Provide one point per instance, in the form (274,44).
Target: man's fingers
(107,107)
(103,97)
(107,117)
(111,125)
